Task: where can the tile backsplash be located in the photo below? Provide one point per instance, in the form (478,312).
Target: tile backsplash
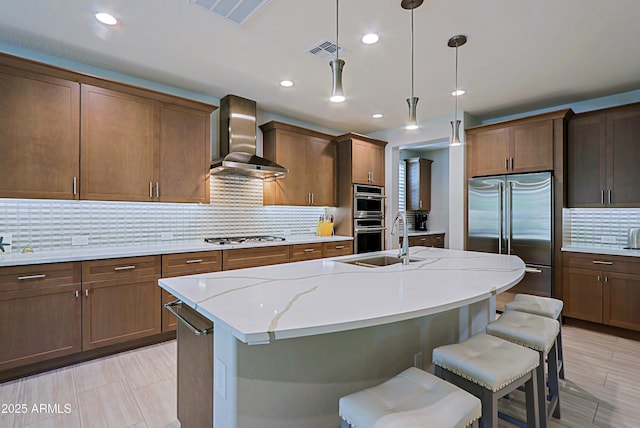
(235,209)
(598,227)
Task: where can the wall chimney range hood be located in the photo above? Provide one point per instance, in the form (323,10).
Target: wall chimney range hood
(238,142)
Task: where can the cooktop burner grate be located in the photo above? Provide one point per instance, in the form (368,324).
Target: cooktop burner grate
(243,239)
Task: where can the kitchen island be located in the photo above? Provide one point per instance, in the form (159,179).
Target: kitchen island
(289,340)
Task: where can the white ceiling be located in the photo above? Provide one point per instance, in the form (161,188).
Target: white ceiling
(521,55)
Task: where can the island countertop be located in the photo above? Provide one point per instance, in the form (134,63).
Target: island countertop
(259,305)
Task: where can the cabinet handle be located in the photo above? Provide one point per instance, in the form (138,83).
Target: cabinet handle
(77,294)
(511,160)
(195,330)
(506,163)
(610,198)
(606,278)
(602,198)
(313,198)
(38,276)
(151,189)
(194,261)
(308,250)
(532,270)
(423,239)
(339,247)
(119,268)
(600,262)
(157,190)
(75,186)
(86,292)
(598,277)
(421,203)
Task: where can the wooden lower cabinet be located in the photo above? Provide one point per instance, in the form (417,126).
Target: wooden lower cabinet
(300,252)
(427,240)
(602,289)
(240,258)
(123,306)
(339,248)
(40,312)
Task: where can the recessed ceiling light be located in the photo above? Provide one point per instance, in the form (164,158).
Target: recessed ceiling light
(458,92)
(369,39)
(377,115)
(286,83)
(106,18)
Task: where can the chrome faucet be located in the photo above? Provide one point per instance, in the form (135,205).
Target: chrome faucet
(404,250)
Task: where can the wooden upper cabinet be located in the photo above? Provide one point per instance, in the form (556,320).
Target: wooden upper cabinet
(604,154)
(310,158)
(418,184)
(116,146)
(39,135)
(510,148)
(367,162)
(183,154)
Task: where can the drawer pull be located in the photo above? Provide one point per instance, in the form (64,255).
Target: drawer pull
(308,250)
(600,262)
(532,270)
(339,247)
(195,330)
(119,268)
(194,261)
(39,276)
(423,239)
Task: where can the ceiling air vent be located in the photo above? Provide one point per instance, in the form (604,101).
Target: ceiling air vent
(326,50)
(237,11)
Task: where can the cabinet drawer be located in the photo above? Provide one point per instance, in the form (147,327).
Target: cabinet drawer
(603,262)
(420,241)
(108,269)
(301,252)
(437,241)
(16,278)
(191,263)
(335,249)
(252,257)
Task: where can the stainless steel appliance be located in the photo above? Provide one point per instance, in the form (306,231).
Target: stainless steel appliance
(513,214)
(420,222)
(243,239)
(368,201)
(368,235)
(634,239)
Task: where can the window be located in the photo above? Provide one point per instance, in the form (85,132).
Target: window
(402,184)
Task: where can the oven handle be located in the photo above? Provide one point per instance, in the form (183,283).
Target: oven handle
(369,196)
(369,229)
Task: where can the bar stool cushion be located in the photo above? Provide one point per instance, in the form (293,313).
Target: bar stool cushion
(489,361)
(412,399)
(533,331)
(543,306)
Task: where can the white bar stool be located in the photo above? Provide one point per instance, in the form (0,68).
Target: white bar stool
(412,399)
(543,306)
(537,333)
(490,368)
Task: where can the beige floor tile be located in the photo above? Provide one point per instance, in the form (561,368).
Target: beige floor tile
(158,403)
(51,388)
(613,418)
(71,420)
(144,368)
(92,374)
(9,393)
(111,405)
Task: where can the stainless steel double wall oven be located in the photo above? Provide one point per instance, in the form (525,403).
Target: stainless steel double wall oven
(368,218)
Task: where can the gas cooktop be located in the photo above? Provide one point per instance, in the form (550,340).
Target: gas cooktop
(243,240)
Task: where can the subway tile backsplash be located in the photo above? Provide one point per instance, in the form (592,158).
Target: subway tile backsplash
(235,209)
(598,227)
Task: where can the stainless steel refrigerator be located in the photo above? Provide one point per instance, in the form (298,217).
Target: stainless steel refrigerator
(513,214)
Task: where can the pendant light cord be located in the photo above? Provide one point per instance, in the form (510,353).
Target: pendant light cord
(337,26)
(412,53)
(456,88)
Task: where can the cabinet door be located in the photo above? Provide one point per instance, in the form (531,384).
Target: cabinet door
(418,185)
(623,159)
(490,152)
(116,146)
(586,161)
(120,310)
(39,135)
(437,240)
(621,300)
(582,294)
(531,147)
(182,155)
(335,249)
(240,258)
(39,324)
(300,252)
(367,163)
(321,170)
(291,152)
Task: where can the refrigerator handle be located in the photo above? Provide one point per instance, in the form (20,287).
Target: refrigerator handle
(509,214)
(500,216)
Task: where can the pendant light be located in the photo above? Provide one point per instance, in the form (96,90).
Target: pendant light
(413,101)
(456,42)
(337,94)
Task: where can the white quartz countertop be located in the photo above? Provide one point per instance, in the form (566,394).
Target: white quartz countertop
(267,303)
(94,253)
(602,250)
(425,232)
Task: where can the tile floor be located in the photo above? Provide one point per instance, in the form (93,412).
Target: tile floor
(138,388)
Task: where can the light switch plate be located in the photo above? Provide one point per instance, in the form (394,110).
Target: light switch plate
(220,379)
(608,239)
(80,240)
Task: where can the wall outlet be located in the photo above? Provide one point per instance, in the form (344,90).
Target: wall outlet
(417,360)
(80,240)
(608,240)
(166,236)
(220,379)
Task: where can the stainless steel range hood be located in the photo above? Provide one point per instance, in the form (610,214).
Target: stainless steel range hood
(238,142)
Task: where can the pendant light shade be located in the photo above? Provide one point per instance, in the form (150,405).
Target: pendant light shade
(456,42)
(413,100)
(337,93)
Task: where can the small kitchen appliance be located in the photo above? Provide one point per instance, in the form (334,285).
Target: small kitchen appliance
(420,222)
(634,239)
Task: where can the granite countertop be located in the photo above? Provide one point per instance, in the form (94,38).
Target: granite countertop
(602,250)
(94,253)
(262,304)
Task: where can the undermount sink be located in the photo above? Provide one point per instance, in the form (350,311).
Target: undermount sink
(378,261)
